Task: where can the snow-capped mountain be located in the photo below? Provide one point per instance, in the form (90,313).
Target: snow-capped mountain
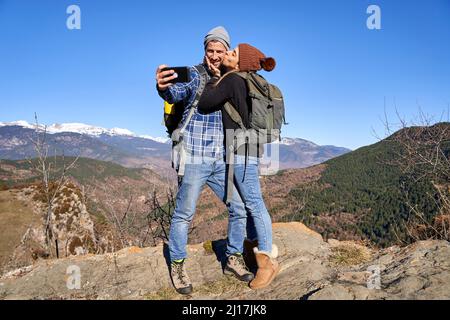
(20,123)
(77,139)
(126,148)
(82,128)
(157,139)
(291,141)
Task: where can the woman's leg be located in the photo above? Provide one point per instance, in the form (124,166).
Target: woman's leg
(247,183)
(237,213)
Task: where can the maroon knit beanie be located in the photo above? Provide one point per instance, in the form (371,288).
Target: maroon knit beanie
(251,59)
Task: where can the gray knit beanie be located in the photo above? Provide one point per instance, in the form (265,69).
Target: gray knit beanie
(218,34)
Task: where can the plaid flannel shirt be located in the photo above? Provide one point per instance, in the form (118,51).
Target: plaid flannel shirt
(204,133)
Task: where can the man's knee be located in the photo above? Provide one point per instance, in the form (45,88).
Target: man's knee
(186,200)
(184,208)
(237,208)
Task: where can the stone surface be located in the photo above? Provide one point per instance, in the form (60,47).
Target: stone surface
(419,271)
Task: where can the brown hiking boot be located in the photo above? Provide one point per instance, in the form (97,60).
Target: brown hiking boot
(180,278)
(249,254)
(236,266)
(268,268)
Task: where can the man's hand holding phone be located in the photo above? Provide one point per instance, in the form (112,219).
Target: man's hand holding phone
(166,76)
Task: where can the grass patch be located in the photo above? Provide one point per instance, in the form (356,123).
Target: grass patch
(163,294)
(349,255)
(223,285)
(207,245)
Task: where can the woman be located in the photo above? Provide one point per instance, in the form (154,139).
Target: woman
(232,88)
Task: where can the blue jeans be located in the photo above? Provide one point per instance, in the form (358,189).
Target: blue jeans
(246,179)
(197,173)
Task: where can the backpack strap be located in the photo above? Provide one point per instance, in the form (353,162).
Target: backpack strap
(263,87)
(253,78)
(178,151)
(234,114)
(203,80)
(230,174)
(178,134)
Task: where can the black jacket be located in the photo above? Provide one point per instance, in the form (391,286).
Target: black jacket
(232,88)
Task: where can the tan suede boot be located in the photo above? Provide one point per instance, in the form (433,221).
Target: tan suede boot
(268,268)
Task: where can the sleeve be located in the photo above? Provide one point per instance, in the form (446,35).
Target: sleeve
(181,91)
(214,97)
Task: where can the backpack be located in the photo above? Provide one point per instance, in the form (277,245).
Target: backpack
(173,113)
(267,113)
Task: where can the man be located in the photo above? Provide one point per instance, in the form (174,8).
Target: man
(202,136)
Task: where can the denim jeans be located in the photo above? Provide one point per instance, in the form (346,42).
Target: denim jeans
(198,172)
(246,178)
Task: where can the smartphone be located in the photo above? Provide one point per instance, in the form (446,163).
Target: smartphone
(183,74)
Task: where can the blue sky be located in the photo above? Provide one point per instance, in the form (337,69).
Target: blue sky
(334,72)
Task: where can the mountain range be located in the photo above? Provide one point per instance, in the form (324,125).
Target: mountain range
(123,147)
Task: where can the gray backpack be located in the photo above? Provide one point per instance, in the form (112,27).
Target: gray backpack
(267,107)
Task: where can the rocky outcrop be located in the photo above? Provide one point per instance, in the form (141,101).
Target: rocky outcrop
(71,227)
(71,223)
(311,269)
(419,271)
